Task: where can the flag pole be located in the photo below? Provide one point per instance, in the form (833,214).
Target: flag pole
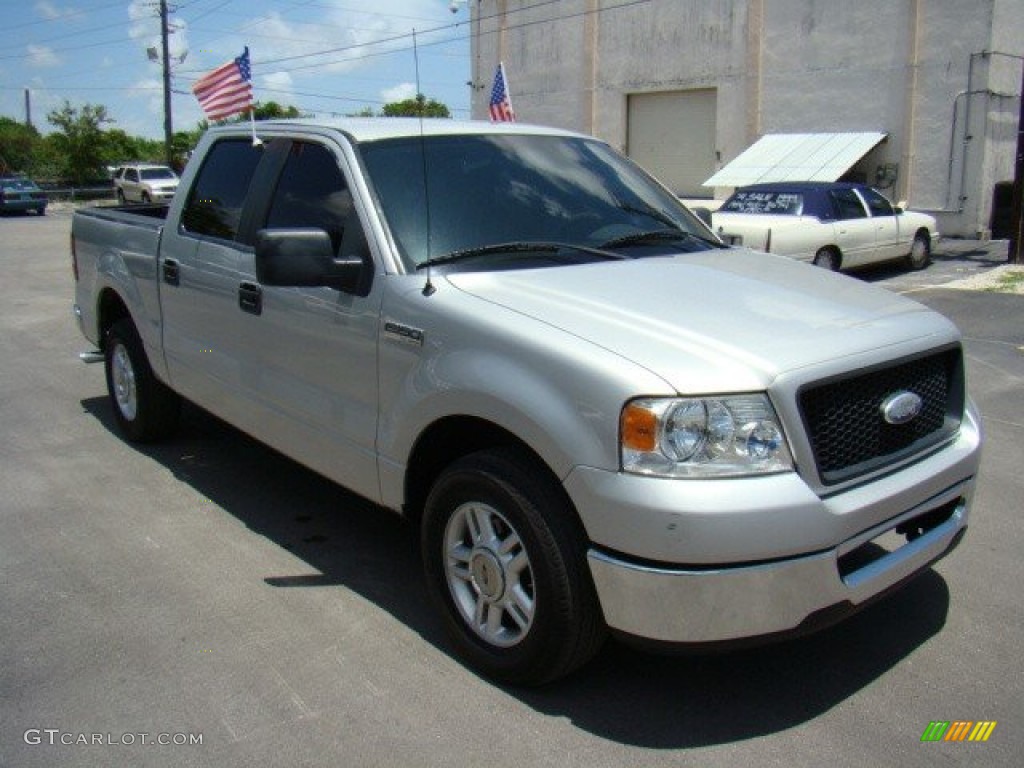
(256,140)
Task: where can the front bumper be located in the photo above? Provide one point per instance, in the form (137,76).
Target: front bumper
(727,560)
(731,603)
(23,204)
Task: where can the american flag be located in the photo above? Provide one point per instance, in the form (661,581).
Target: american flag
(501,106)
(227,90)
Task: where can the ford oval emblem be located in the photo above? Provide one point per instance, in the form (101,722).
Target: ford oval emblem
(901,407)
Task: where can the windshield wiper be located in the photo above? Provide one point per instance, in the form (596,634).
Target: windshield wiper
(658,235)
(524,246)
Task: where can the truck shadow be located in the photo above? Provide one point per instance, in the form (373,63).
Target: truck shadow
(624,695)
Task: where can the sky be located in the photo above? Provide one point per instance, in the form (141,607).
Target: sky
(326,57)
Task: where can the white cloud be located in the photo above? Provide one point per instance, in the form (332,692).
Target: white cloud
(400,92)
(48,10)
(41,56)
(279,86)
(145,29)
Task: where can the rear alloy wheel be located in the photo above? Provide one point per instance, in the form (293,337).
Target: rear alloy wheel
(144,407)
(506,563)
(920,251)
(826,258)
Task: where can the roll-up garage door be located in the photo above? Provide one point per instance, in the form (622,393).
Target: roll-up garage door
(672,135)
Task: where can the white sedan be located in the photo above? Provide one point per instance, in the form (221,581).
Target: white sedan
(835,225)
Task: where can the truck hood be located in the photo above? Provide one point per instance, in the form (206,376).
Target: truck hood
(715,321)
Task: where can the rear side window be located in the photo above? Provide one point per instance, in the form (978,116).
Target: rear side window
(215,202)
(749,201)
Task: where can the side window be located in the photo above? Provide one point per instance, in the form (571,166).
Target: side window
(214,205)
(132,175)
(877,204)
(848,205)
(312,192)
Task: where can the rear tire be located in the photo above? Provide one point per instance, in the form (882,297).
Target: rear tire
(827,258)
(145,408)
(506,563)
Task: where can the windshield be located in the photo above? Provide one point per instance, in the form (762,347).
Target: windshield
(152,174)
(491,189)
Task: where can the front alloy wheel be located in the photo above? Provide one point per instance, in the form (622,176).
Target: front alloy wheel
(506,563)
(489,574)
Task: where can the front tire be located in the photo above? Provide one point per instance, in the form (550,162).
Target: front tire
(506,563)
(920,255)
(145,408)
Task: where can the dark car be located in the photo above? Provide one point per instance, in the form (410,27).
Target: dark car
(20,194)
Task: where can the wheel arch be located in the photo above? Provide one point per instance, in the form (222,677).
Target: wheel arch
(451,438)
(110,308)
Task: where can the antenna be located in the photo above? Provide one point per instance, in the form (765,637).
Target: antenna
(428,288)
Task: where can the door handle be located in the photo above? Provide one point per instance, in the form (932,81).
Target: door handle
(171,272)
(250,298)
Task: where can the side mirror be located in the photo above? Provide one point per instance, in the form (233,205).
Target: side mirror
(897,210)
(304,257)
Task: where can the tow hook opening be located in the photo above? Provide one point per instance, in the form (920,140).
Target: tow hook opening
(893,539)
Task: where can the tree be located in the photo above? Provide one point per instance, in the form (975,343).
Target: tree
(272,111)
(17,145)
(119,147)
(416,107)
(80,137)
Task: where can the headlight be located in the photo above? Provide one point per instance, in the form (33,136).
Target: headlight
(703,437)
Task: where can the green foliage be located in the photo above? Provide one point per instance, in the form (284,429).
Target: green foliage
(273,111)
(16,144)
(118,147)
(416,107)
(79,136)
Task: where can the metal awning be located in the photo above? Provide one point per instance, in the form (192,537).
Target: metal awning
(796,157)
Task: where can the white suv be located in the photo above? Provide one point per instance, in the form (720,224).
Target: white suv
(145,183)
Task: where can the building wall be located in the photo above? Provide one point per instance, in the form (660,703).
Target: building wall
(784,66)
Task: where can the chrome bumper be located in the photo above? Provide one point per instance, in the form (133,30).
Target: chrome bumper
(712,604)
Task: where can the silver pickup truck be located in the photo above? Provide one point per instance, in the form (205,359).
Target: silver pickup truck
(599,416)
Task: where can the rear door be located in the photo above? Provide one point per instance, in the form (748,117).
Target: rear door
(202,265)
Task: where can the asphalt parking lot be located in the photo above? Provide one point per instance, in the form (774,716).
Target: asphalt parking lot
(207,589)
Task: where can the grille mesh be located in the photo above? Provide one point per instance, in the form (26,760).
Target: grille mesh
(844,419)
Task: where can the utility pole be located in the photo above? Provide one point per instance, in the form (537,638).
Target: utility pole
(28,108)
(1016,255)
(168,130)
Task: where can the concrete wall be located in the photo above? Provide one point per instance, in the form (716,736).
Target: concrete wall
(778,66)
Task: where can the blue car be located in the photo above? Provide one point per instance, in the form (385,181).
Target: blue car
(20,194)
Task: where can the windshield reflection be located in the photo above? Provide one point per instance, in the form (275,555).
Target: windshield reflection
(513,188)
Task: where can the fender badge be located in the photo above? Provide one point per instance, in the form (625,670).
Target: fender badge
(901,407)
(403,333)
